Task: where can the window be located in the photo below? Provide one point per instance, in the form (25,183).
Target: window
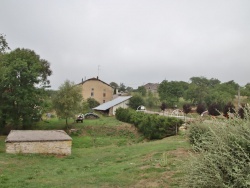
(92,94)
(103,101)
(104,94)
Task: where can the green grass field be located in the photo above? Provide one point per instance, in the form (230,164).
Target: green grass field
(105,153)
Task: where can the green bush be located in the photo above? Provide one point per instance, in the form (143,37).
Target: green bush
(150,125)
(124,115)
(222,154)
(198,134)
(136,118)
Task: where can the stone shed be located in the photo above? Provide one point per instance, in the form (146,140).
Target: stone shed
(39,141)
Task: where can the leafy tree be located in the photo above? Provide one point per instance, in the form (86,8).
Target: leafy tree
(228,87)
(122,87)
(92,103)
(199,89)
(245,91)
(114,85)
(203,90)
(3,44)
(136,101)
(142,90)
(47,105)
(85,107)
(151,100)
(221,98)
(170,91)
(129,89)
(22,86)
(232,84)
(204,82)
(68,101)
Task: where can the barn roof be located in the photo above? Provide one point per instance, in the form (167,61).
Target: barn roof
(37,136)
(114,102)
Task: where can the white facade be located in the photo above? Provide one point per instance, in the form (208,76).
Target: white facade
(114,108)
(111,106)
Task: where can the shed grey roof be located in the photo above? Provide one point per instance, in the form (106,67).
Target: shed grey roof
(37,136)
(109,104)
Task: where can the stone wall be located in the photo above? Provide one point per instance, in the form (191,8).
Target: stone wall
(47,147)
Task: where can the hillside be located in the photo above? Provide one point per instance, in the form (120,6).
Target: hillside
(105,153)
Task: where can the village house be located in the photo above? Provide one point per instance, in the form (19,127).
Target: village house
(152,87)
(96,89)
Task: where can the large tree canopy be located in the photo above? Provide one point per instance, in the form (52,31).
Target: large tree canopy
(171,91)
(199,89)
(22,83)
(114,85)
(122,87)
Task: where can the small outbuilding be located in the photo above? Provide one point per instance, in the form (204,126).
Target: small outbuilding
(39,141)
(111,106)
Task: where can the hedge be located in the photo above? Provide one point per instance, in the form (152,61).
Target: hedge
(152,126)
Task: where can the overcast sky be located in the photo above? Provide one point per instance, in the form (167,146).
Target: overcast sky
(133,41)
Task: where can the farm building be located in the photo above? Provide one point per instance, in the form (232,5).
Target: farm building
(39,141)
(153,87)
(96,89)
(111,106)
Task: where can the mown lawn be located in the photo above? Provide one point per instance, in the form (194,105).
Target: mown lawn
(105,153)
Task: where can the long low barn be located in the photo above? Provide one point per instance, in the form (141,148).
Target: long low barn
(39,141)
(111,106)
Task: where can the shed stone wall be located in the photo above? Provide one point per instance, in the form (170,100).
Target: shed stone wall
(47,147)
